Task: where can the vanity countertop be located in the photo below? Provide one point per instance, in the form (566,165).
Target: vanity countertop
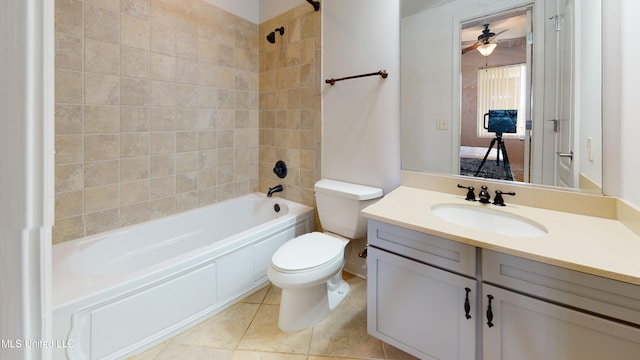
(594,245)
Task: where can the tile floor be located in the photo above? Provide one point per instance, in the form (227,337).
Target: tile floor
(248,330)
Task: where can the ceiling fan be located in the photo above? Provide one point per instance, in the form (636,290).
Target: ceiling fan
(485,39)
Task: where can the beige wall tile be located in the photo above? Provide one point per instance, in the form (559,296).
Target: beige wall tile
(186,45)
(101,198)
(68,149)
(163,39)
(162,207)
(186,141)
(68,229)
(134,119)
(142,105)
(101,147)
(69,204)
(101,24)
(163,165)
(134,62)
(68,87)
(134,214)
(186,162)
(134,168)
(134,192)
(163,67)
(68,119)
(162,142)
(187,201)
(186,182)
(68,15)
(99,173)
(163,93)
(101,89)
(136,32)
(162,119)
(101,119)
(134,144)
(69,178)
(134,92)
(137,8)
(162,187)
(164,12)
(101,57)
(68,52)
(187,71)
(102,221)
(186,96)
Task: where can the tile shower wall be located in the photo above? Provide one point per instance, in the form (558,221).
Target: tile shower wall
(290,115)
(157,110)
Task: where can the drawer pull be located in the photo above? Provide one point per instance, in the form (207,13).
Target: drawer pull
(467,305)
(489,312)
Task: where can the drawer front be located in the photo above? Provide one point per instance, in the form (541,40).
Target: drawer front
(443,253)
(608,297)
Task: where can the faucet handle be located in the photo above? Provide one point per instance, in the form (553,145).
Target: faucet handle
(471,196)
(498,200)
(484,195)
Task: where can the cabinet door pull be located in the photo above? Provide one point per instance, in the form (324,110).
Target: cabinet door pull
(489,312)
(467,305)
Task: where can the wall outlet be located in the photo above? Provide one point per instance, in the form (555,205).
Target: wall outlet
(442,124)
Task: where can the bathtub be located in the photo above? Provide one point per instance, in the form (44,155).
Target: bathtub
(120,292)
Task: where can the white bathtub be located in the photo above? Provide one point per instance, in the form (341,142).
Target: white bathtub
(119,292)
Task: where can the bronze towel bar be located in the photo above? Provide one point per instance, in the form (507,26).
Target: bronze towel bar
(382,73)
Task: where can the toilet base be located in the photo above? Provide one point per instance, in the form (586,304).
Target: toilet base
(303,307)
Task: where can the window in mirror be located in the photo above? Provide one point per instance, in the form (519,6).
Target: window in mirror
(502,88)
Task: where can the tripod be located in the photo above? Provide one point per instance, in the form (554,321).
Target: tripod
(500,148)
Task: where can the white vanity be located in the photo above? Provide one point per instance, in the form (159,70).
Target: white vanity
(440,290)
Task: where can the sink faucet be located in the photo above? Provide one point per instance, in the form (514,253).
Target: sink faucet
(498,200)
(484,195)
(471,196)
(275,189)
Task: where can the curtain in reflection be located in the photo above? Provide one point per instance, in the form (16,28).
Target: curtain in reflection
(502,88)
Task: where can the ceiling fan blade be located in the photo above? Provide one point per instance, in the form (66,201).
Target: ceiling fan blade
(498,33)
(472,47)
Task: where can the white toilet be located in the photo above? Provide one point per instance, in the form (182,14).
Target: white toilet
(308,268)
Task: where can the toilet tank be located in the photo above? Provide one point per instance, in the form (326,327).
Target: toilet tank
(339,205)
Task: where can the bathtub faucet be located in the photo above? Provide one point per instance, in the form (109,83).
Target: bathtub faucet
(274,189)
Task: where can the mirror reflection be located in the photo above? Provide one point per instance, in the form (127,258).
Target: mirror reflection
(504,90)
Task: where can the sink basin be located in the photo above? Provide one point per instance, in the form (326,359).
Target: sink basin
(488,219)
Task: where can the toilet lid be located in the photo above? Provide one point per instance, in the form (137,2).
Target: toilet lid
(307,251)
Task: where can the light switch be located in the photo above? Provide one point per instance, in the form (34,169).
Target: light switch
(442,124)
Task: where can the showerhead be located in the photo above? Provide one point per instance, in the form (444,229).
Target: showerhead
(272,37)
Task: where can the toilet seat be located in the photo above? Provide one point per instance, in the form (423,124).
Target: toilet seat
(307,253)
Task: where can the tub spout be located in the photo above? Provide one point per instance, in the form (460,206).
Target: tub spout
(275,189)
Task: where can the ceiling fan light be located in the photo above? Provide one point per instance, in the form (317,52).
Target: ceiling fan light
(486,49)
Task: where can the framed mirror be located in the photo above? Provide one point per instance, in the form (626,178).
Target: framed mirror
(545,65)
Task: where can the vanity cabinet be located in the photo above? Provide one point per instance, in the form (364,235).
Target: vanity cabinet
(538,311)
(421,289)
(415,301)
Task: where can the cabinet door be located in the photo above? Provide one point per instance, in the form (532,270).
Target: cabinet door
(527,328)
(420,309)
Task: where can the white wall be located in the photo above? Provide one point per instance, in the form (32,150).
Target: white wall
(272,8)
(26,181)
(246,9)
(360,117)
(256,11)
(630,114)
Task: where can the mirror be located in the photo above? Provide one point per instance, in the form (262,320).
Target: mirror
(547,55)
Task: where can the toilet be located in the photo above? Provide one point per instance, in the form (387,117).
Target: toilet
(308,268)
